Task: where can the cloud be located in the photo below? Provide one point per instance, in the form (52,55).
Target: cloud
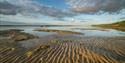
(30,7)
(92,6)
(7,8)
(33,11)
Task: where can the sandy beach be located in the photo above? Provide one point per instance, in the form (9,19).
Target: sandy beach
(61,48)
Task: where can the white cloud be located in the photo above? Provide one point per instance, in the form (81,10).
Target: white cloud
(31,19)
(88,6)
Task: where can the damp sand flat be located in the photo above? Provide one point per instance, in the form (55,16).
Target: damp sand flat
(58,31)
(70,49)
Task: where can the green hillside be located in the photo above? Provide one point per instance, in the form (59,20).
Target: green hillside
(118,25)
(121,23)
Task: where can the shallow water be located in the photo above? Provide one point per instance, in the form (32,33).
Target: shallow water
(27,29)
(88,31)
(101,32)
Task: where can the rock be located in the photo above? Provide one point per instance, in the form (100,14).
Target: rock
(41,47)
(16,35)
(7,33)
(29,53)
(20,37)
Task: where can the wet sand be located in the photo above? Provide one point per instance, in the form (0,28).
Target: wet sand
(64,48)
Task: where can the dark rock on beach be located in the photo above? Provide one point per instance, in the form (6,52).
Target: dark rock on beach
(16,35)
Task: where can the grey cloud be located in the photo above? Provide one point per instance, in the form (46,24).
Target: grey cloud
(7,8)
(50,11)
(45,10)
(92,6)
(29,7)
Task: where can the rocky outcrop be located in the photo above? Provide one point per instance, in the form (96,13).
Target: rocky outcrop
(16,35)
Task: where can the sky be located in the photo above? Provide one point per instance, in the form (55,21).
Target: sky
(65,12)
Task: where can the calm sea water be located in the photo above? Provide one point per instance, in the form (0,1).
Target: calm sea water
(88,31)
